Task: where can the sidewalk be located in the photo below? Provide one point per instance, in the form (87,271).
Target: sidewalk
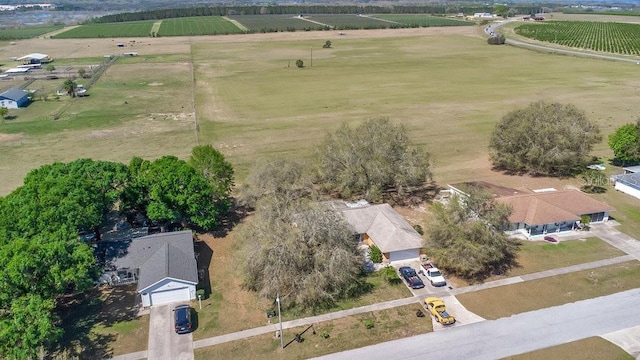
(401,302)
(605,232)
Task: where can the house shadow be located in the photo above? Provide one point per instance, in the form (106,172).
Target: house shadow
(204,254)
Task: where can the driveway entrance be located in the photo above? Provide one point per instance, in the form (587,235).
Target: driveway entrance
(164,343)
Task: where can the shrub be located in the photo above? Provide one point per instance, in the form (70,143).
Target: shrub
(496,40)
(299,63)
(418,229)
(390,275)
(375,254)
(369,324)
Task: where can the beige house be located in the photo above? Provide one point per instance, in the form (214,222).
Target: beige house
(383,226)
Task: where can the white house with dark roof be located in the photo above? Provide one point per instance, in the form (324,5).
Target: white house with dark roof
(163,265)
(14,98)
(383,226)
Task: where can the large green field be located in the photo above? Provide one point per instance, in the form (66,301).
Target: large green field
(621,38)
(110,30)
(27,32)
(423,20)
(447,86)
(200,25)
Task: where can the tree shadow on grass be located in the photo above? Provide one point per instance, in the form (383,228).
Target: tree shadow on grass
(82,313)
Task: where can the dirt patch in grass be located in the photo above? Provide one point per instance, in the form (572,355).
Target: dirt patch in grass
(103,322)
(589,348)
(10,138)
(331,336)
(507,300)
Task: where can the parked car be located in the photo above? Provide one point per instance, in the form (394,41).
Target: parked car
(438,309)
(434,275)
(182,317)
(411,277)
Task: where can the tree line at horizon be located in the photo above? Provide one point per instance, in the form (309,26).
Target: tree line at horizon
(302,9)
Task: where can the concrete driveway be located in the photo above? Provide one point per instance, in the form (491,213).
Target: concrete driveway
(164,343)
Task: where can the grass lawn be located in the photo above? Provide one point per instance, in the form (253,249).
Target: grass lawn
(231,308)
(538,256)
(589,348)
(343,334)
(102,323)
(504,301)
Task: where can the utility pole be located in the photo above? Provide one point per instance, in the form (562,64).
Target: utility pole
(312,56)
(280,320)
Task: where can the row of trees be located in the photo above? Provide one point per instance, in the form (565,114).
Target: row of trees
(301,247)
(312,9)
(41,256)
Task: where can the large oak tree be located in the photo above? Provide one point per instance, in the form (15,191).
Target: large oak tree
(544,139)
(369,159)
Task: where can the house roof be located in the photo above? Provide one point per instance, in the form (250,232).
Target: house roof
(551,207)
(37,56)
(14,94)
(384,226)
(158,256)
(632,180)
(632,169)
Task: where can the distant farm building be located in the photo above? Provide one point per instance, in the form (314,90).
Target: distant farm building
(17,71)
(36,58)
(483,15)
(538,18)
(14,98)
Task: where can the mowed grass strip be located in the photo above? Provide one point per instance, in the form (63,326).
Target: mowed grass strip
(200,25)
(589,348)
(535,256)
(342,334)
(27,32)
(507,300)
(109,30)
(423,20)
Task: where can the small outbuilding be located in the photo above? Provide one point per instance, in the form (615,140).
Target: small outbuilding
(14,98)
(36,58)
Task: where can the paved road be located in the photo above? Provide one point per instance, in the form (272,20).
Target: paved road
(514,335)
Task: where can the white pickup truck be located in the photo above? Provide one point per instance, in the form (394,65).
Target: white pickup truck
(434,276)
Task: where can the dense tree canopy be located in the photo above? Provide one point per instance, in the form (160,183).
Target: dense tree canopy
(466,236)
(211,164)
(305,252)
(625,143)
(170,190)
(543,139)
(41,254)
(370,159)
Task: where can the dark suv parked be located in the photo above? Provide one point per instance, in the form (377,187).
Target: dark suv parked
(182,316)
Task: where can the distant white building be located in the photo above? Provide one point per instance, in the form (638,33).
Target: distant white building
(483,15)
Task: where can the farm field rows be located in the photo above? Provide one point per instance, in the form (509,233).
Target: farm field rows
(342,22)
(27,32)
(274,23)
(199,25)
(110,30)
(422,20)
(620,38)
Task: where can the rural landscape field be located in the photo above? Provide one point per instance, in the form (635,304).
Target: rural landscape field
(233,83)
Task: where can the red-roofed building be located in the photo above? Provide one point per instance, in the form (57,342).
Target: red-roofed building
(550,211)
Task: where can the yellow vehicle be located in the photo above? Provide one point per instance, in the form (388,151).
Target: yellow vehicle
(438,309)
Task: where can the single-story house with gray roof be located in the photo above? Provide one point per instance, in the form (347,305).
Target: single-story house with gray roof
(14,98)
(163,265)
(382,226)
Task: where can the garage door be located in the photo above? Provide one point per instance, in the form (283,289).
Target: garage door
(169,296)
(404,255)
